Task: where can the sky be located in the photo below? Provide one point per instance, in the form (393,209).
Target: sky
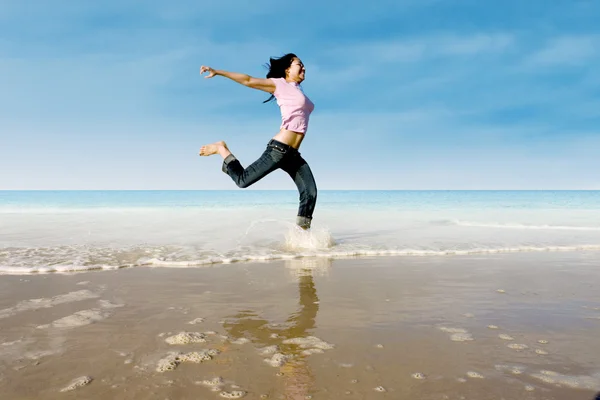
(409,94)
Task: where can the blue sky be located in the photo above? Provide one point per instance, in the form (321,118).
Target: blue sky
(409,94)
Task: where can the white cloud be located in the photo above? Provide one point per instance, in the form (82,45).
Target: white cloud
(567,51)
(412,49)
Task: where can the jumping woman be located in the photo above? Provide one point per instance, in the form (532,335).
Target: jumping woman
(283,83)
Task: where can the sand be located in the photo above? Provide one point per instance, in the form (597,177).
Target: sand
(511,326)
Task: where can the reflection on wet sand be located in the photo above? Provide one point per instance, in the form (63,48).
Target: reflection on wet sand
(294,368)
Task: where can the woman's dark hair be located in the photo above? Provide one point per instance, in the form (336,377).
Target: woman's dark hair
(277,67)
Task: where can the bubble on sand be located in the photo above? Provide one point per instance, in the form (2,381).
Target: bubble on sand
(541,352)
(476,375)
(169,363)
(241,340)
(380,389)
(418,375)
(461,380)
(83,283)
(128,361)
(513,369)
(173,359)
(542,341)
(77,383)
(529,388)
(504,336)
(354,381)
(492,327)
(461,337)
(277,360)
(516,346)
(379,346)
(216,381)
(186,338)
(469,315)
(235,394)
(196,321)
(274,336)
(501,291)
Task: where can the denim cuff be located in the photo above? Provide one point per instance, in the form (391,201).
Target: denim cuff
(226,162)
(303,222)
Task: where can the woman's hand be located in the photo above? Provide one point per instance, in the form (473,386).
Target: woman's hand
(211,72)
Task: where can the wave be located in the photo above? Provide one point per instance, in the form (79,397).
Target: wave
(520,226)
(42,268)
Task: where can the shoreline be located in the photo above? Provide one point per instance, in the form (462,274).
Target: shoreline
(378,327)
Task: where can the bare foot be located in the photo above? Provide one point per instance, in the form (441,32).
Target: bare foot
(210,149)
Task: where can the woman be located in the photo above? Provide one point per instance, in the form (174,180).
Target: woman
(282,82)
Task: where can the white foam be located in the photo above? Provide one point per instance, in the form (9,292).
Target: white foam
(311,239)
(458,334)
(83,317)
(277,360)
(309,342)
(504,336)
(591,382)
(196,321)
(524,226)
(269,350)
(309,352)
(36,304)
(301,251)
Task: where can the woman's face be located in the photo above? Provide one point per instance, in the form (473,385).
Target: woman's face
(296,70)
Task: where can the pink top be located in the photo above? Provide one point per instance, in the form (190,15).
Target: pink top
(294,105)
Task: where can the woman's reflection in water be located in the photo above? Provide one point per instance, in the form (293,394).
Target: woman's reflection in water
(296,372)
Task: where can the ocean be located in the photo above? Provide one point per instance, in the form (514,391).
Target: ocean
(66,231)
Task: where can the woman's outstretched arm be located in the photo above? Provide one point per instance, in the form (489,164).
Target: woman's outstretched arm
(266,85)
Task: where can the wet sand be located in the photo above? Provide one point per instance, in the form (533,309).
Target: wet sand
(508,326)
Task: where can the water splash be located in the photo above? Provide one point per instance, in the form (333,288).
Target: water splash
(311,239)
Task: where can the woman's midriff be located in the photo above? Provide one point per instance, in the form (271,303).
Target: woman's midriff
(290,138)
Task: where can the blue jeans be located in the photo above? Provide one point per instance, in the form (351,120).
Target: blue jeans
(278,155)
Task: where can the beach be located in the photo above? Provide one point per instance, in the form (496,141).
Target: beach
(494,326)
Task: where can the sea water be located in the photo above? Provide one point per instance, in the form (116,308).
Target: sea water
(60,231)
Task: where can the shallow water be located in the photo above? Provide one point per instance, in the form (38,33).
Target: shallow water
(88,230)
